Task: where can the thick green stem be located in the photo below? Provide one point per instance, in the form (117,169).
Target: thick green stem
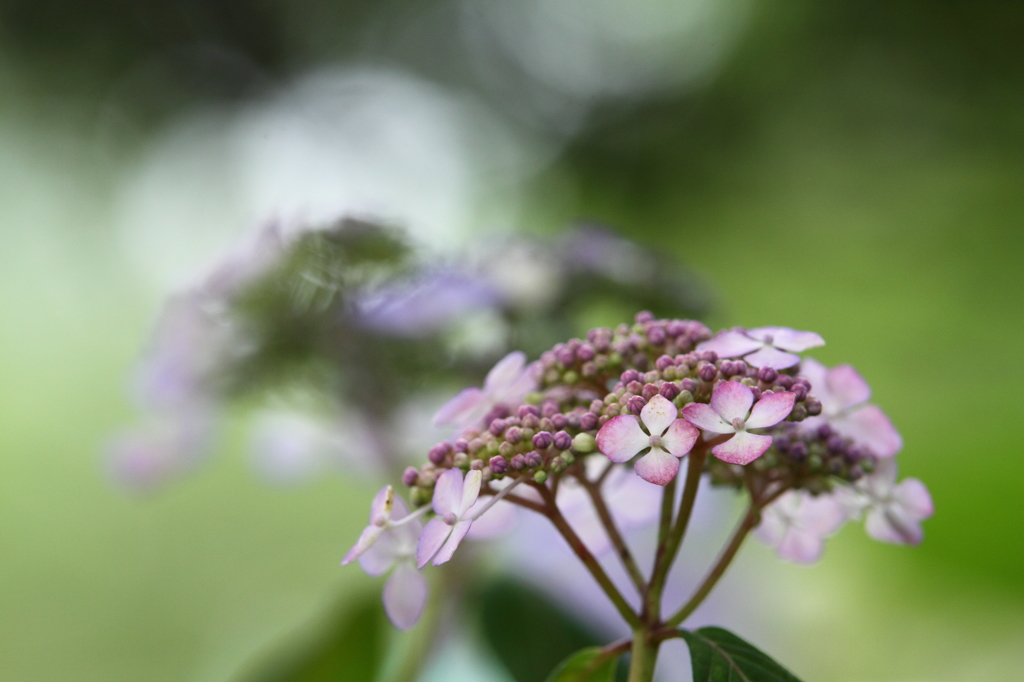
(588,559)
(643,656)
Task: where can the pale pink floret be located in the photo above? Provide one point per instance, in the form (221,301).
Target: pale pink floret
(507,383)
(453,498)
(729,412)
(797,524)
(380,515)
(667,436)
(405,592)
(764,346)
(844,396)
(894,511)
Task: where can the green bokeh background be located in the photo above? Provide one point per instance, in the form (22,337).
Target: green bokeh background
(855,170)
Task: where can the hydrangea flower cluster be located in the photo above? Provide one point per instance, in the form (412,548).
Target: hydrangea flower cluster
(740,407)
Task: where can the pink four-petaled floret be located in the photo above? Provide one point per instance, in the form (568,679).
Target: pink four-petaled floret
(667,436)
(764,346)
(797,524)
(507,383)
(729,412)
(454,495)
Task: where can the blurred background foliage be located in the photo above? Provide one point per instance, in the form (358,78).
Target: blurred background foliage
(850,168)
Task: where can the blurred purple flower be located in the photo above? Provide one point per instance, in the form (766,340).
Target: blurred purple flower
(894,511)
(166,445)
(797,524)
(844,396)
(764,346)
(507,383)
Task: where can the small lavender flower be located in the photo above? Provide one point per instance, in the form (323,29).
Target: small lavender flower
(894,511)
(380,516)
(764,346)
(844,396)
(453,497)
(666,439)
(797,524)
(507,383)
(729,412)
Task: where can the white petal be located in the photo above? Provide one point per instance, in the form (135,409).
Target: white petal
(461,409)
(621,438)
(470,491)
(703,417)
(459,531)
(506,370)
(732,400)
(448,492)
(771,409)
(405,596)
(366,540)
(381,556)
(658,414)
(657,466)
(680,437)
(848,386)
(731,344)
(433,536)
(869,426)
(772,357)
(743,448)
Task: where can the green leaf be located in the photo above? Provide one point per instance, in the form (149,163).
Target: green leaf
(583,666)
(720,656)
(348,646)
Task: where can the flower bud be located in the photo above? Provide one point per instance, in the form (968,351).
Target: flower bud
(835,444)
(669,391)
(518,462)
(709,356)
(635,404)
(542,440)
(650,390)
(629,375)
(584,443)
(461,445)
(785,381)
(476,465)
(768,375)
(540,477)
(533,459)
(461,460)
(800,391)
(798,451)
(506,449)
(688,385)
(585,352)
(499,465)
(548,408)
(707,372)
(683,399)
(410,476)
(813,406)
(664,362)
(656,336)
(438,452)
(799,413)
(559,421)
(566,357)
(527,409)
(562,440)
(644,316)
(596,405)
(588,422)
(513,435)
(496,427)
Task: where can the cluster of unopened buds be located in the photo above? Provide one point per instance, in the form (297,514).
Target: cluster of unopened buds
(799,439)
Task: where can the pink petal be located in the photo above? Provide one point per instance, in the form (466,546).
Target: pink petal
(816,373)
(621,437)
(732,400)
(770,410)
(459,531)
(892,524)
(772,357)
(470,491)
(505,371)
(366,539)
(822,515)
(405,596)
(658,414)
(433,536)
(742,448)
(870,427)
(788,339)
(461,408)
(801,547)
(702,416)
(515,391)
(912,495)
(381,557)
(680,437)
(657,467)
(382,504)
(448,492)
(847,386)
(772,528)
(731,344)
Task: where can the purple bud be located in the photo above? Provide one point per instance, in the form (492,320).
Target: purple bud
(803,382)
(566,357)
(644,316)
(634,387)
(798,451)
(782,443)
(688,385)
(836,444)
(635,404)
(630,375)
(650,390)
(669,390)
(559,421)
(542,440)
(585,352)
(785,381)
(825,432)
(410,476)
(707,372)
(739,367)
(548,408)
(562,440)
(757,393)
(513,435)
(530,421)
(664,362)
(461,445)
(533,459)
(588,421)
(856,473)
(726,368)
(527,409)
(813,406)
(596,405)
(676,328)
(656,336)
(498,464)
(476,465)
(439,452)
(709,356)
(800,391)
(768,375)
(573,420)
(518,462)
(496,427)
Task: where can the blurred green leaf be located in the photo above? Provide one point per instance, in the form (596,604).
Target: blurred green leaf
(517,619)
(582,667)
(351,650)
(718,655)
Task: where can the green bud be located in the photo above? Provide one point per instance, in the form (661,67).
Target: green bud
(748,381)
(540,477)
(461,460)
(571,377)
(684,398)
(420,496)
(799,413)
(610,399)
(584,443)
(568,458)
(814,462)
(492,447)
(506,449)
(614,359)
(534,398)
